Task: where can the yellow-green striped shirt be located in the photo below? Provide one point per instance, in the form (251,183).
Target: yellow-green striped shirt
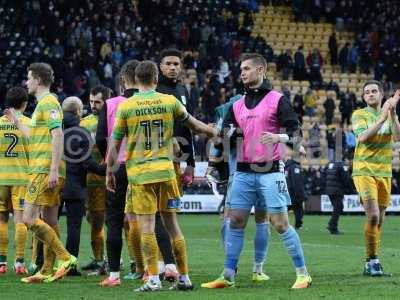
(46,117)
(90,123)
(373,157)
(147,120)
(13,152)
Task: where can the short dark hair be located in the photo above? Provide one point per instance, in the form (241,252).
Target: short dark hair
(146,72)
(378,83)
(16,97)
(254,57)
(128,70)
(170,52)
(43,72)
(105,92)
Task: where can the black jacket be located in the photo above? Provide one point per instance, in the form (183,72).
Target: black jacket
(338,179)
(77,154)
(172,87)
(102,127)
(295,180)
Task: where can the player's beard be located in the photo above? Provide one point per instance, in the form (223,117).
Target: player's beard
(251,83)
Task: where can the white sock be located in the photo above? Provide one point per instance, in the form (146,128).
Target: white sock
(171,267)
(258,267)
(161,267)
(19,264)
(374,261)
(301,271)
(185,278)
(155,278)
(114,275)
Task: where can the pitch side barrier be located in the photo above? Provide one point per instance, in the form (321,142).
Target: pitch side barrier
(209,203)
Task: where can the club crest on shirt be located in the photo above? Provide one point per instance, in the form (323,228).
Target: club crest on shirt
(32,189)
(54,114)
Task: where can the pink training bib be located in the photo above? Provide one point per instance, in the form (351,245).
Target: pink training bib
(253,122)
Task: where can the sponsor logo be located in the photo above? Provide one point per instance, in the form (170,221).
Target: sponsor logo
(174,204)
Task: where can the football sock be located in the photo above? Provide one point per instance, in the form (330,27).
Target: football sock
(163,241)
(180,254)
(48,255)
(49,236)
(128,240)
(225,230)
(97,241)
(233,248)
(134,242)
(378,237)
(3,239)
(150,252)
(155,278)
(21,233)
(34,249)
(292,243)
(371,239)
(114,275)
(261,243)
(185,278)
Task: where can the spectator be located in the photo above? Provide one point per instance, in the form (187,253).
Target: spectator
(117,56)
(285,64)
(365,59)
(315,138)
(295,182)
(333,48)
(346,107)
(338,182)
(78,163)
(310,102)
(298,105)
(353,58)
(299,70)
(315,62)
(329,106)
(57,49)
(344,58)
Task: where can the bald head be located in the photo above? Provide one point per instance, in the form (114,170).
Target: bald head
(73,105)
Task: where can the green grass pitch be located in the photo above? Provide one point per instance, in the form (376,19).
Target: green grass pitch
(335,263)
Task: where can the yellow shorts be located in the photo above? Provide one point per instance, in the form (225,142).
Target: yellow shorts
(96,198)
(12,198)
(374,188)
(147,199)
(38,193)
(178,174)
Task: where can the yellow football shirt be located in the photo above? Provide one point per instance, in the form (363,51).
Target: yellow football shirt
(373,157)
(13,152)
(147,120)
(46,117)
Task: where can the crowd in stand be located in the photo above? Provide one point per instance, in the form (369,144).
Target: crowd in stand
(86,42)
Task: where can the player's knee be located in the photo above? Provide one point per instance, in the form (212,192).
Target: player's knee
(373,219)
(280,226)
(237,223)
